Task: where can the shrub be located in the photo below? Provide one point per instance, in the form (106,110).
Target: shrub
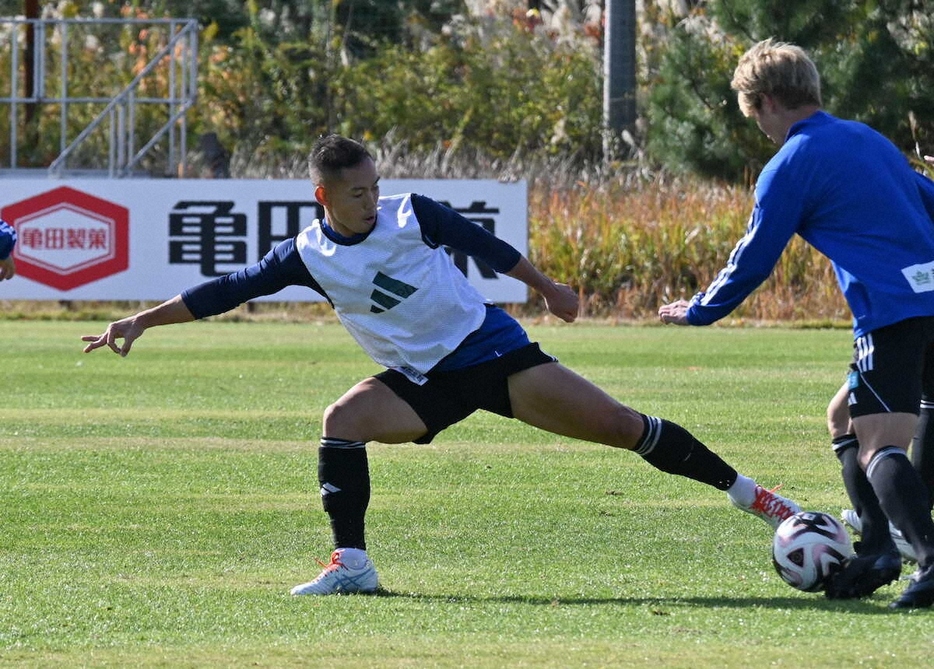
(629,247)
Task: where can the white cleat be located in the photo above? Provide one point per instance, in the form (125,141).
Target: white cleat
(851,518)
(355,574)
(769,506)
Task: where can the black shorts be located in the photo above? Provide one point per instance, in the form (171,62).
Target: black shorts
(893,368)
(449,397)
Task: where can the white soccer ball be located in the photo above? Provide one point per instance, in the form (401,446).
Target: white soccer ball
(808,547)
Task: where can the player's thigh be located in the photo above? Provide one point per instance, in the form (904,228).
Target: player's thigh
(838,413)
(556,399)
(879,430)
(371,411)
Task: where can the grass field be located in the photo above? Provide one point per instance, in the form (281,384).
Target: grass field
(156,510)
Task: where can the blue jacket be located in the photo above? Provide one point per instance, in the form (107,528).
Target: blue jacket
(850,193)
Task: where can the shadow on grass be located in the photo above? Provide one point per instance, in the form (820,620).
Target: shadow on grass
(658,605)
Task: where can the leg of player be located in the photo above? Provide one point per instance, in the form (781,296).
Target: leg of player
(922,445)
(921,590)
(896,484)
(873,525)
(367,412)
(884,396)
(922,448)
(877,561)
(555,399)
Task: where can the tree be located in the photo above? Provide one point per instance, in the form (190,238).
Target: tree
(876,58)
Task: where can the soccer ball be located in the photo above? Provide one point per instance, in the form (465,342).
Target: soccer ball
(808,547)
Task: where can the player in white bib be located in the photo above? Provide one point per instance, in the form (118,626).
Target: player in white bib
(379,261)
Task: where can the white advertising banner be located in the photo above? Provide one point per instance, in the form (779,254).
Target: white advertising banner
(142,239)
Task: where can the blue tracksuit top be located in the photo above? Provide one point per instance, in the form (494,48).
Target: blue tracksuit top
(851,194)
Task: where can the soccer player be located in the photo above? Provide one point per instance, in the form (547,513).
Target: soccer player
(850,193)
(7,242)
(843,438)
(447,352)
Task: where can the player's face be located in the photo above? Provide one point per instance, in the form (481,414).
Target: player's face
(350,200)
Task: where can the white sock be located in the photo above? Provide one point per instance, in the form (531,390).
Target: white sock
(352,558)
(743,491)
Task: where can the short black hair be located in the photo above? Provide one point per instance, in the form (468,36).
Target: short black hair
(332,153)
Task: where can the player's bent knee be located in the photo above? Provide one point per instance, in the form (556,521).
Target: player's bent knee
(339,418)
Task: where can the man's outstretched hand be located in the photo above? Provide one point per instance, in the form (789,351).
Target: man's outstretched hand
(127,329)
(674,313)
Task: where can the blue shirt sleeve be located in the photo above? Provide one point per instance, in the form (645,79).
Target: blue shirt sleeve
(442,226)
(847,191)
(771,226)
(279,268)
(7,239)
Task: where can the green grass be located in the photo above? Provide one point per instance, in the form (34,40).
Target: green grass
(156,510)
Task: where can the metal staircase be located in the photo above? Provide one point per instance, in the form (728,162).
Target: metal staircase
(112,93)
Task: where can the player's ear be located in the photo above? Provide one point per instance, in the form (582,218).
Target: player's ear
(321,195)
(768,101)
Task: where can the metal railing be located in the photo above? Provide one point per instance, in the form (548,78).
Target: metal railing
(153,64)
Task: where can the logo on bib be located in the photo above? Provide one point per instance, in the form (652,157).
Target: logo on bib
(385,285)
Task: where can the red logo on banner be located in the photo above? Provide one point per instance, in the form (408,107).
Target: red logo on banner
(67,238)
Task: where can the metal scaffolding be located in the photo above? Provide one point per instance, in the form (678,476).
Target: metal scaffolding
(126,117)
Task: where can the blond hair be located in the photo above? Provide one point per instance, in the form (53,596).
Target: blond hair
(781,70)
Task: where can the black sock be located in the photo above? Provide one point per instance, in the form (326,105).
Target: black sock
(897,486)
(672,449)
(344,476)
(876,537)
(922,448)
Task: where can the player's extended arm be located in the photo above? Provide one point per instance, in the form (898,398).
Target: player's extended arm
(561,299)
(442,225)
(131,328)
(279,268)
